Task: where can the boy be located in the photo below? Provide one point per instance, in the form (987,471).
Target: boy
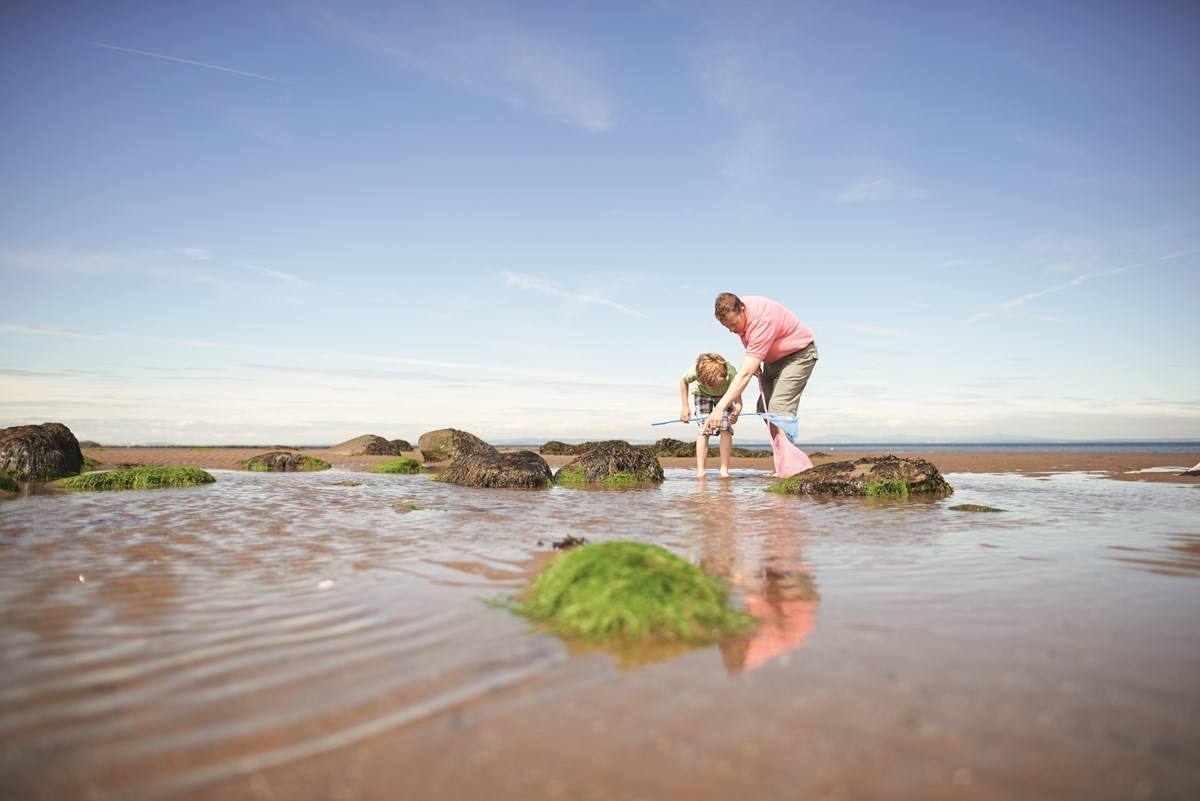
(712,375)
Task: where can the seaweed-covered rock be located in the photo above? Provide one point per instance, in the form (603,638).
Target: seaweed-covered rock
(40,452)
(136,478)
(403,445)
(613,462)
(667,448)
(631,591)
(556,448)
(450,443)
(284,462)
(513,469)
(871,475)
(366,445)
(9,486)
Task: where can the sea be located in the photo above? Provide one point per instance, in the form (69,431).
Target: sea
(347,635)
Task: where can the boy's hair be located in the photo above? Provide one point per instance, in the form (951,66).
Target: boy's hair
(711,369)
(727,303)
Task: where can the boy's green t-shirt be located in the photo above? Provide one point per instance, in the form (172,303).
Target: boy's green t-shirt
(690,377)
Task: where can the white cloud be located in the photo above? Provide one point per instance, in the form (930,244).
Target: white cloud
(875,188)
(279,275)
(472,46)
(535,284)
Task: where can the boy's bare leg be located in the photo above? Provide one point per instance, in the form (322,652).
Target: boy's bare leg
(725,448)
(701,453)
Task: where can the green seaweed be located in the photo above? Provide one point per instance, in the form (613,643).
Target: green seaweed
(9,483)
(631,591)
(974,507)
(784,487)
(574,474)
(138,478)
(896,488)
(405,464)
(416,507)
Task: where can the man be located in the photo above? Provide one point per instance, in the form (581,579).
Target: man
(775,341)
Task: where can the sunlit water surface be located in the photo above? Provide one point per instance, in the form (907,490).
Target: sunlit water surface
(303,636)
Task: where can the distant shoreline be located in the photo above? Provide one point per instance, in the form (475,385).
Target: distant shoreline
(1153,466)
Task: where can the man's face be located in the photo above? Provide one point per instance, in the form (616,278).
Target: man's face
(735,321)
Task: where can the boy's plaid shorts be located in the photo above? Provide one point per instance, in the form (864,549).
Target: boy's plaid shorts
(704,406)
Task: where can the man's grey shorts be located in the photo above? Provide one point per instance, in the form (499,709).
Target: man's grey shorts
(783,381)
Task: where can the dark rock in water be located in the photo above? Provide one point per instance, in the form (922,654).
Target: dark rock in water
(495,469)
(611,463)
(284,462)
(40,452)
(403,445)
(556,448)
(974,507)
(667,448)
(872,475)
(366,445)
(450,443)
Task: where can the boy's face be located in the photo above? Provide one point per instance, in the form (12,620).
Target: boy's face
(735,321)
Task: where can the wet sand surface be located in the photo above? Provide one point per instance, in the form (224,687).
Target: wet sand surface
(309,636)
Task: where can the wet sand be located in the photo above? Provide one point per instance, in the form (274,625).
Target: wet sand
(1131,466)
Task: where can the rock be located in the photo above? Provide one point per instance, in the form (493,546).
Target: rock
(403,445)
(40,452)
(450,443)
(556,448)
(284,462)
(667,448)
(366,445)
(872,475)
(495,469)
(628,591)
(138,478)
(613,462)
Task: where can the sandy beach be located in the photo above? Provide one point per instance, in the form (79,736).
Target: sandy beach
(1130,466)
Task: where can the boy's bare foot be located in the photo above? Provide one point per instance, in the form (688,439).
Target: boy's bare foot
(699,474)
(724,474)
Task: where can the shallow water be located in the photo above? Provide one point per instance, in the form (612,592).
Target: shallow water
(290,636)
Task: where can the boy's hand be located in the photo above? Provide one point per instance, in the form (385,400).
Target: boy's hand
(685,415)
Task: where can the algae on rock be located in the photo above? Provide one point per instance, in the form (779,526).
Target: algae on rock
(134,478)
(631,591)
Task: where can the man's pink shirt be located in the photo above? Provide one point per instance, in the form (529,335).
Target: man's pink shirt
(772,331)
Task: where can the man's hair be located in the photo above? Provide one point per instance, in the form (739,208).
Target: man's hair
(711,369)
(727,303)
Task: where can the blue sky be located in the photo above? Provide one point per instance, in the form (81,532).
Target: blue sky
(300,221)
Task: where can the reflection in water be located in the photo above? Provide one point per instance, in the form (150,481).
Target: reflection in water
(760,556)
(291,636)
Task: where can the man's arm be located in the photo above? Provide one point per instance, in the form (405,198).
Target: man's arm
(747,370)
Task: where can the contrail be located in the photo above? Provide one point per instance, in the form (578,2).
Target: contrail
(1012,304)
(202,64)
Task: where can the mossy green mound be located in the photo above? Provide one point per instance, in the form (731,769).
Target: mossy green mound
(9,483)
(405,464)
(897,488)
(630,591)
(138,478)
